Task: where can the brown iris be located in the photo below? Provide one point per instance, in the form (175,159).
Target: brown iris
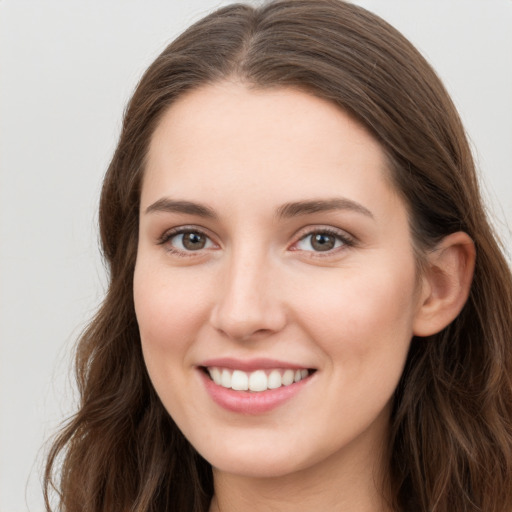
(322,242)
(193,241)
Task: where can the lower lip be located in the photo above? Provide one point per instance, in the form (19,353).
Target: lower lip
(248,402)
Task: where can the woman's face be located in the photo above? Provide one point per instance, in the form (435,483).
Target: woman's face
(274,254)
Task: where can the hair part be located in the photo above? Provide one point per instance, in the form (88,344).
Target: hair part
(451,426)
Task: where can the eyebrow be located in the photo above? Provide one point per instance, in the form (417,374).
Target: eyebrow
(287,210)
(298,208)
(188,207)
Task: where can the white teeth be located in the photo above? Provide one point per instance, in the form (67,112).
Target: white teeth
(216,375)
(259,380)
(240,381)
(225,379)
(288,377)
(274,380)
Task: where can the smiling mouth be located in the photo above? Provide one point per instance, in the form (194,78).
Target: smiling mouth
(258,380)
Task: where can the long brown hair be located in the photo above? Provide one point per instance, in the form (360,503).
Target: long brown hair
(451,426)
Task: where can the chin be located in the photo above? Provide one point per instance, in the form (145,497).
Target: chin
(260,467)
(259,460)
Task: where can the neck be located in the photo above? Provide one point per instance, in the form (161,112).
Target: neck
(350,481)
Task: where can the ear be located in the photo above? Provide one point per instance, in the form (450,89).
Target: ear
(446,282)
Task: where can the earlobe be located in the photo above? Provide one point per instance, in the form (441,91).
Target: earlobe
(445,284)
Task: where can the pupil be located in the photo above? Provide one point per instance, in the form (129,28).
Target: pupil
(322,242)
(193,241)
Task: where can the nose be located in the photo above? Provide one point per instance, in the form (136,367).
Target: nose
(248,304)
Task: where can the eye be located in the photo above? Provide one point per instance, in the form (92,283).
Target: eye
(186,240)
(322,241)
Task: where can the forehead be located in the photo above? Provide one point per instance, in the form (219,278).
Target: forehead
(234,109)
(273,141)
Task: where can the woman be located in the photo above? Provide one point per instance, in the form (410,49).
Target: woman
(307,308)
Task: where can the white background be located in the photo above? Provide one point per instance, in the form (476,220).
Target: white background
(67,69)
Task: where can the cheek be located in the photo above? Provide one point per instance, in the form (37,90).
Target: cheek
(167,305)
(167,320)
(363,315)
(170,312)
(364,327)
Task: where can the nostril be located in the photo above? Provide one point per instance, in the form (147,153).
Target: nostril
(243,332)
(243,314)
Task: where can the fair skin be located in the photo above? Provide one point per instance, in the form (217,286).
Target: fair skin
(270,240)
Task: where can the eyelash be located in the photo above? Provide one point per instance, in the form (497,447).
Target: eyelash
(169,235)
(341,236)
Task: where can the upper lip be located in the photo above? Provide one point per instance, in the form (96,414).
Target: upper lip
(249,365)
